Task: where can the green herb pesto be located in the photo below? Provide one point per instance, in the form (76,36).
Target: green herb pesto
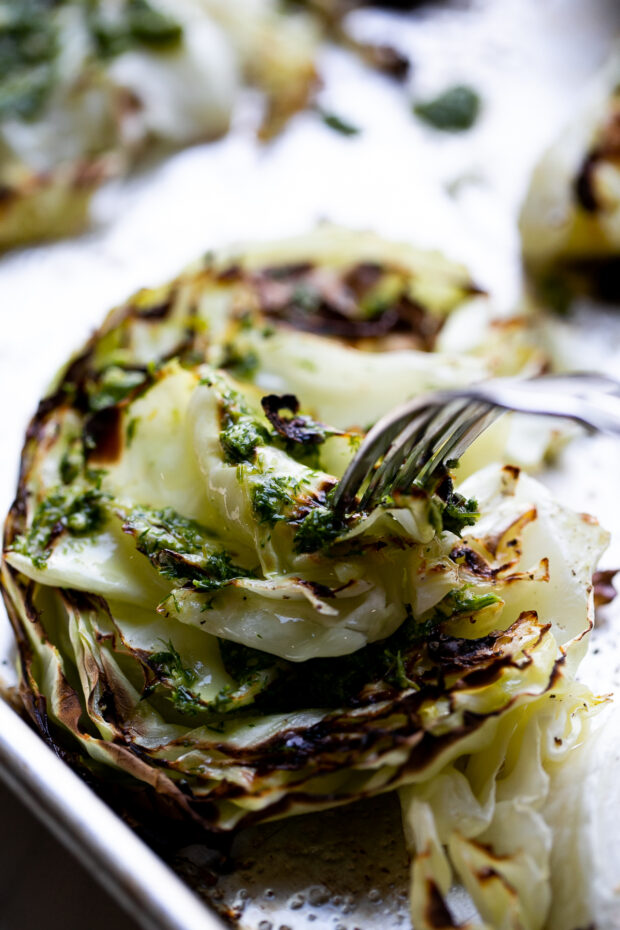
(253,672)
(462,601)
(73,461)
(166,529)
(65,509)
(139,23)
(271,496)
(330,682)
(455,110)
(240,365)
(318,529)
(30,43)
(216,569)
(241,430)
(28,49)
(181,549)
(459,513)
(453,512)
(172,674)
(113,385)
(240,439)
(177,679)
(338,682)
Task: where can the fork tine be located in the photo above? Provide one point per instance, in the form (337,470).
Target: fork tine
(375,445)
(418,438)
(449,419)
(389,467)
(454,445)
(412,445)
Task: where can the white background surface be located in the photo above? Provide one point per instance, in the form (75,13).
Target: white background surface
(529,59)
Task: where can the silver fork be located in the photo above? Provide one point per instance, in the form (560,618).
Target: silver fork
(418,440)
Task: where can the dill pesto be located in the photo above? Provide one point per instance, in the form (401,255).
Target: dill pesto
(318,529)
(137,23)
(28,52)
(73,461)
(271,497)
(170,673)
(114,385)
(66,509)
(181,549)
(240,439)
(449,511)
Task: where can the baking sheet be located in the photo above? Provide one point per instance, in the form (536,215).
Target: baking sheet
(529,59)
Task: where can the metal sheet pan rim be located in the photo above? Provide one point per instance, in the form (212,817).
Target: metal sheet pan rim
(142,883)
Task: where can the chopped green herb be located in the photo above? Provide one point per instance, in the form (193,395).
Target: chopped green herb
(216,569)
(28,49)
(455,110)
(459,513)
(29,44)
(130,431)
(166,529)
(331,682)
(137,22)
(152,27)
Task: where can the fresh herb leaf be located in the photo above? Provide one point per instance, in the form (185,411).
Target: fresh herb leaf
(339,125)
(455,110)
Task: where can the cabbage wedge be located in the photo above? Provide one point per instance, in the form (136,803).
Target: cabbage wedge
(196,621)
(570,220)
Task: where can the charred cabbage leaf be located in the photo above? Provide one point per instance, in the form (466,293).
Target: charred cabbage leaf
(570,221)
